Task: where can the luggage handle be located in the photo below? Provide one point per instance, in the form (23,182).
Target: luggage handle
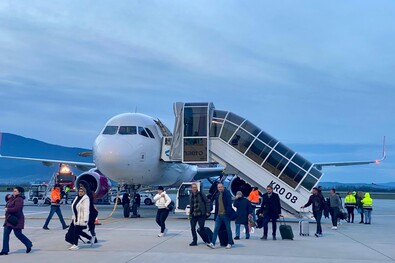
(282,222)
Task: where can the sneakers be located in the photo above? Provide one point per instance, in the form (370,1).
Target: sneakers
(29,249)
(228,246)
(65,227)
(193,243)
(237,237)
(160,235)
(165,231)
(274,238)
(211,245)
(264,237)
(45,227)
(334,228)
(74,247)
(93,239)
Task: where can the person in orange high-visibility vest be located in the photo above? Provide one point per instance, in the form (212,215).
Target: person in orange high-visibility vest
(56,197)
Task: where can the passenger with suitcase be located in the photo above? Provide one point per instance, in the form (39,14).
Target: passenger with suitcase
(317,202)
(224,213)
(244,209)
(199,210)
(270,211)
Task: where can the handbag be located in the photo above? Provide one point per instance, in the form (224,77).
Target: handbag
(13,220)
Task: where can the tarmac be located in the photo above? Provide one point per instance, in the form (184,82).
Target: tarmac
(135,240)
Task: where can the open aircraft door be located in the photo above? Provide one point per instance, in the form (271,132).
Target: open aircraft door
(183,193)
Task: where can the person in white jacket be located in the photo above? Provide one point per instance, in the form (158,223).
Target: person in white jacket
(162,200)
(80,216)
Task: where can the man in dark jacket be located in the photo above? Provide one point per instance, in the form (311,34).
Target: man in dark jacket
(270,210)
(244,209)
(199,209)
(223,214)
(318,204)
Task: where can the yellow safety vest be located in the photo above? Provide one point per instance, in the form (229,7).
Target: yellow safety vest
(350,200)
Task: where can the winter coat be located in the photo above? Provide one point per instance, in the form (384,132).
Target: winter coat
(254,196)
(270,206)
(55,197)
(227,200)
(317,201)
(244,208)
(82,217)
(367,202)
(162,202)
(15,207)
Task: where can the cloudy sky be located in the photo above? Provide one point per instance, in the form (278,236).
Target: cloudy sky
(308,72)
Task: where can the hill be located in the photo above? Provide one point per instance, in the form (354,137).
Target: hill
(17,171)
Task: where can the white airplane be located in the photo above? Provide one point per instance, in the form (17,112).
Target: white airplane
(129,151)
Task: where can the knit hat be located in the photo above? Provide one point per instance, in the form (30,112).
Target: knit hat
(239,193)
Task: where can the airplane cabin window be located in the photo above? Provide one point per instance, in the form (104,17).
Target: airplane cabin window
(127,130)
(109,130)
(143,132)
(150,133)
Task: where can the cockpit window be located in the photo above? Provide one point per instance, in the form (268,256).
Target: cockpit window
(150,133)
(110,130)
(127,130)
(142,132)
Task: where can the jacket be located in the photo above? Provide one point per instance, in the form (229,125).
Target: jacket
(204,204)
(270,206)
(350,201)
(55,197)
(82,217)
(254,196)
(15,207)
(334,201)
(244,208)
(317,202)
(162,202)
(367,202)
(227,200)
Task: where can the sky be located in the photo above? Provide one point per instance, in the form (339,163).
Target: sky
(308,72)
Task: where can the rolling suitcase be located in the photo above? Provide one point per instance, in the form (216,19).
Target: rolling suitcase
(303,226)
(286,231)
(206,234)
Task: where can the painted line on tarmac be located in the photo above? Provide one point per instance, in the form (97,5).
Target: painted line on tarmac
(141,229)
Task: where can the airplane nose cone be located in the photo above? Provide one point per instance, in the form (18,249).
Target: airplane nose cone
(112,154)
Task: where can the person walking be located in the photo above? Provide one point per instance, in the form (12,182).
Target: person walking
(350,203)
(66,193)
(15,221)
(199,210)
(317,202)
(270,211)
(80,215)
(335,207)
(359,198)
(244,209)
(223,214)
(93,213)
(55,207)
(367,203)
(162,200)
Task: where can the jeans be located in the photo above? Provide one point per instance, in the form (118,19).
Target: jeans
(318,216)
(18,233)
(55,209)
(266,220)
(161,216)
(350,214)
(246,228)
(219,220)
(194,220)
(368,215)
(334,214)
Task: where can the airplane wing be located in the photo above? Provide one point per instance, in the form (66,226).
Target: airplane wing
(48,162)
(320,165)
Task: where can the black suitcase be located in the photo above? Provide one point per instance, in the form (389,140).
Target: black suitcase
(286,231)
(206,234)
(223,236)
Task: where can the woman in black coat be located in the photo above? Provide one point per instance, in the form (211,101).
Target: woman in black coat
(244,208)
(15,221)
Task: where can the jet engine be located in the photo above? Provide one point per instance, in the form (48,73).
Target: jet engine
(98,183)
(238,184)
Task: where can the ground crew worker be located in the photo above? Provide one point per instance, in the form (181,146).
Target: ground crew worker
(253,197)
(350,202)
(55,207)
(367,203)
(66,193)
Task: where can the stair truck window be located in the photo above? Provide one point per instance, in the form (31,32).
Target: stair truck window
(227,131)
(241,140)
(258,152)
(292,175)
